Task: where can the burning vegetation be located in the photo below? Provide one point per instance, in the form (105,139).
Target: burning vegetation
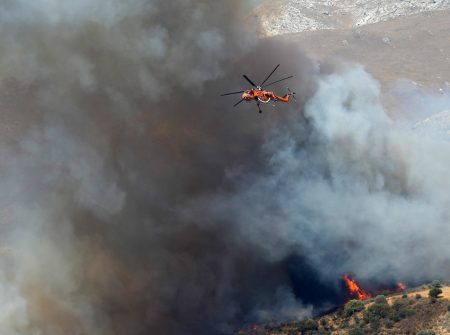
(354,290)
(422,310)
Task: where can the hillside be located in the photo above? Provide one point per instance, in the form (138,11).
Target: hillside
(290,16)
(414,47)
(412,312)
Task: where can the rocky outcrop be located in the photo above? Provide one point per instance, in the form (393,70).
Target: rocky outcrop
(291,16)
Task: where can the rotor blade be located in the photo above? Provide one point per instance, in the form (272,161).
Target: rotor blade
(271,73)
(274,82)
(222,95)
(237,103)
(248,79)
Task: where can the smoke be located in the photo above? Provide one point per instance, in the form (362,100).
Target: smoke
(135,200)
(112,125)
(361,194)
(415,103)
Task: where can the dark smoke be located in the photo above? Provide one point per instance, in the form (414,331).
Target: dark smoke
(135,200)
(113,126)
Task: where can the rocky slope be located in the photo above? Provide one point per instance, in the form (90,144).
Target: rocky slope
(415,48)
(290,16)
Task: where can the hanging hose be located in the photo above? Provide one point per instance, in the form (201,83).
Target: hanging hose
(264,101)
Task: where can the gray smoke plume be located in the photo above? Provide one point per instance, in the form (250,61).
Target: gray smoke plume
(134,200)
(362,194)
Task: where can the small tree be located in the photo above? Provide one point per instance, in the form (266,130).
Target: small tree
(377,311)
(434,292)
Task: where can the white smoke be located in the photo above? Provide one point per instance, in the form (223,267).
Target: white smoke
(13,312)
(364,194)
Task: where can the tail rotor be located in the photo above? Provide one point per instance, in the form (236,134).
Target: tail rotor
(292,94)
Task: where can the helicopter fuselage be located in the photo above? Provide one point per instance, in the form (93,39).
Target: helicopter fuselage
(263,96)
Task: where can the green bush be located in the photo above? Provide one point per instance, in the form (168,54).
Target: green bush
(356,331)
(377,311)
(352,307)
(362,323)
(375,325)
(308,324)
(426,332)
(448,308)
(418,296)
(380,299)
(398,304)
(400,310)
(404,296)
(434,292)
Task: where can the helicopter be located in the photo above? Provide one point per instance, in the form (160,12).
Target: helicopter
(258,94)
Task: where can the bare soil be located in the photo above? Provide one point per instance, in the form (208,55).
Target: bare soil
(415,48)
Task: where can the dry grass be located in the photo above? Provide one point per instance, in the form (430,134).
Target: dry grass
(423,292)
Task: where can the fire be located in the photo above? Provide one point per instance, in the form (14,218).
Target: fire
(355,290)
(401,287)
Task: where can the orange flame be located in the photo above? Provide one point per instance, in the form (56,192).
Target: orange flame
(355,290)
(401,287)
